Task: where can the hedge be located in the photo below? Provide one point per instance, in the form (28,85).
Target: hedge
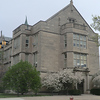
(74,92)
(95,91)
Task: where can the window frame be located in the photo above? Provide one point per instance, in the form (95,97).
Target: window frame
(82,60)
(35,56)
(79,41)
(65,40)
(27,41)
(65,60)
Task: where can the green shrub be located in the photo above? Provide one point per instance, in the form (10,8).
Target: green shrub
(2,89)
(95,91)
(63,92)
(74,92)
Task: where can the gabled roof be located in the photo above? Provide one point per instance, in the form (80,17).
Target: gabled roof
(84,19)
(71,9)
(58,12)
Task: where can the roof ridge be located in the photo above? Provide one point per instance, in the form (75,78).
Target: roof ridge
(58,12)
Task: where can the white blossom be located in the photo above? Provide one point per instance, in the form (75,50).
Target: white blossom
(52,81)
(96,81)
(57,80)
(68,76)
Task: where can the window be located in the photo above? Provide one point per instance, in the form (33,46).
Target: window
(65,40)
(65,60)
(27,41)
(79,41)
(80,60)
(71,20)
(35,59)
(65,56)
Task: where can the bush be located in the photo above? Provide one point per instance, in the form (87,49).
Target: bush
(63,92)
(95,91)
(1,89)
(74,92)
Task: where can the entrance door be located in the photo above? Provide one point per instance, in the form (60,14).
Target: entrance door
(81,87)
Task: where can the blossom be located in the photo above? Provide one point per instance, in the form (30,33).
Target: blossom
(51,81)
(96,81)
(62,79)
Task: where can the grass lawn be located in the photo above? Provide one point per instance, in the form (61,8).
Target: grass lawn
(3,95)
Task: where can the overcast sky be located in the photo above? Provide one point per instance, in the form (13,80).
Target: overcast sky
(14,12)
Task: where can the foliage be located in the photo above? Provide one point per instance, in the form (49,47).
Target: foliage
(69,79)
(22,77)
(52,82)
(35,84)
(96,74)
(96,22)
(74,92)
(96,80)
(96,39)
(1,89)
(62,80)
(96,26)
(95,91)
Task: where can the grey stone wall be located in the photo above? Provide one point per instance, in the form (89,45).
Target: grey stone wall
(50,52)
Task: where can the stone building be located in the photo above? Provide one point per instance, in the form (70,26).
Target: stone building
(62,41)
(3,41)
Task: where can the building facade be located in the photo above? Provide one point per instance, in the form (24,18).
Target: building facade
(62,41)
(3,42)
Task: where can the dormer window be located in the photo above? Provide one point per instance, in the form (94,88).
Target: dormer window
(27,42)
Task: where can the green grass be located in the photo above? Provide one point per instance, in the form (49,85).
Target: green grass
(3,95)
(6,95)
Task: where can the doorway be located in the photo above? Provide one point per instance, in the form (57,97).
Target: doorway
(81,87)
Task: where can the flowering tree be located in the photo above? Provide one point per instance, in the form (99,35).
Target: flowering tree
(96,80)
(52,82)
(69,78)
(62,80)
